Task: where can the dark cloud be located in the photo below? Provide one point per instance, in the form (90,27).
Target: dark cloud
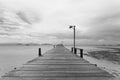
(28,17)
(8,28)
(23,17)
(4,33)
(9,23)
(12,22)
(105,25)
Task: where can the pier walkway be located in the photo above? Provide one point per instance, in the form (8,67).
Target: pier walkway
(58,64)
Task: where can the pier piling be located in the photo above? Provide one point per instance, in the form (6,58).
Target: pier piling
(81,53)
(72,49)
(75,51)
(39,52)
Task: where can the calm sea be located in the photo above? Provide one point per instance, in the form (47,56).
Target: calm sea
(15,56)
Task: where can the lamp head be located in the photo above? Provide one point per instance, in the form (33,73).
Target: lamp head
(70,26)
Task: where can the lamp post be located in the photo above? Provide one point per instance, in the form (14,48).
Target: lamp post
(73,27)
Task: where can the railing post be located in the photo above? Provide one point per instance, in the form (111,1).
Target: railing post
(39,53)
(75,51)
(72,49)
(81,53)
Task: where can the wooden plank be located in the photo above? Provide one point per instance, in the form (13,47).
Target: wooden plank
(61,75)
(85,66)
(58,69)
(56,78)
(61,72)
(58,61)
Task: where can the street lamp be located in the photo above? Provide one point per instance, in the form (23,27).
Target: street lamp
(73,27)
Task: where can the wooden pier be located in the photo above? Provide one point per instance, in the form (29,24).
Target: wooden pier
(58,64)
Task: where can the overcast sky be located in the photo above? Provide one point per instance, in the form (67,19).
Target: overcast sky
(41,21)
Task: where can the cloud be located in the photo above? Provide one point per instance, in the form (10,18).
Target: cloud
(12,24)
(95,20)
(106,25)
(28,17)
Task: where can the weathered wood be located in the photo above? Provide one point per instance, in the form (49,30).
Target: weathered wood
(75,51)
(72,49)
(56,78)
(81,53)
(39,53)
(58,64)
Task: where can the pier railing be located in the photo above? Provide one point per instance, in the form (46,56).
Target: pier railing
(78,50)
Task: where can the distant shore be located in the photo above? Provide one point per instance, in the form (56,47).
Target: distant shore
(24,44)
(66,44)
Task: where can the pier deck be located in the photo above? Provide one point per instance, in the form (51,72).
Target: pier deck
(58,64)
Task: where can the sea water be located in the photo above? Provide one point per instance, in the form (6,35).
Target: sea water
(14,56)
